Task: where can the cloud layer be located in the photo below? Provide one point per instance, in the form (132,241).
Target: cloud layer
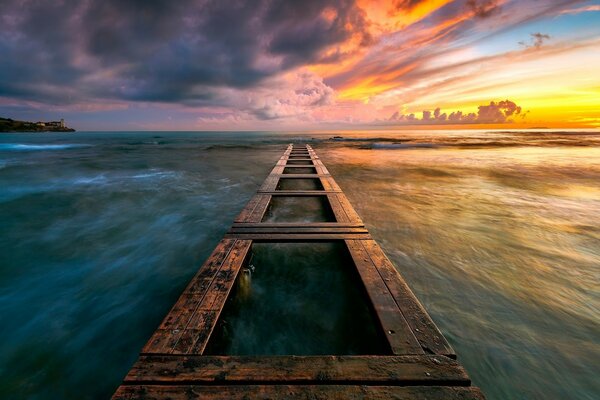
(493,113)
(166,51)
(266,63)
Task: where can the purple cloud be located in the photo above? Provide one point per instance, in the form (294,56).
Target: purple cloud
(165,51)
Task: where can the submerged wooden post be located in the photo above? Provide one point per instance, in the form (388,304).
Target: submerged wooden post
(419,362)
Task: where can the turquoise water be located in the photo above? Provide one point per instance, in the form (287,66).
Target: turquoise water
(496,232)
(301,299)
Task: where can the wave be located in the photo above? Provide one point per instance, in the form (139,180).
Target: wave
(154,174)
(37,147)
(474,140)
(128,181)
(385,146)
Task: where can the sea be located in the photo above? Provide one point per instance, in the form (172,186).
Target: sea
(497,232)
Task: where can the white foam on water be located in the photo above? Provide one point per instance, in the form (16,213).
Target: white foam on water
(38,147)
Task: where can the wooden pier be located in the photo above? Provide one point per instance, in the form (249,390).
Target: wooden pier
(418,362)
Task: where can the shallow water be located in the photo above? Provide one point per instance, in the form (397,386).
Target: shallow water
(496,232)
(303,209)
(297,298)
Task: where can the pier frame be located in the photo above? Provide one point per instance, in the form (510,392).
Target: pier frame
(420,364)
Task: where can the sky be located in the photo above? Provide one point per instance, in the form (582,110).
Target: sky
(301,65)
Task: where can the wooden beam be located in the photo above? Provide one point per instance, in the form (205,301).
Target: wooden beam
(426,332)
(296,392)
(298,193)
(298,237)
(292,230)
(361,370)
(297,224)
(397,331)
(188,325)
(419,363)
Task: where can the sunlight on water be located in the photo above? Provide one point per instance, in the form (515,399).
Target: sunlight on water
(503,250)
(497,233)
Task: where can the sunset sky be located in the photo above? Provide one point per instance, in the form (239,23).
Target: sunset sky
(301,65)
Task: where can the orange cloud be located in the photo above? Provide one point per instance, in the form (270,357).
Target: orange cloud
(493,113)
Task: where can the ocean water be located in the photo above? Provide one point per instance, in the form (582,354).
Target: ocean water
(496,232)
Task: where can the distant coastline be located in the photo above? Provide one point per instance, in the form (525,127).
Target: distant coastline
(11,125)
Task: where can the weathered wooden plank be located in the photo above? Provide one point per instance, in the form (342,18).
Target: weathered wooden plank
(426,332)
(338,210)
(296,224)
(259,210)
(219,289)
(198,331)
(248,209)
(278,169)
(182,311)
(350,212)
(299,169)
(270,183)
(326,183)
(397,331)
(334,185)
(329,184)
(298,236)
(177,326)
(300,192)
(421,367)
(271,229)
(404,370)
(196,335)
(321,169)
(296,392)
(171,328)
(198,284)
(295,176)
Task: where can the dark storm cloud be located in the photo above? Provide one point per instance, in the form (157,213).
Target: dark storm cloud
(171,51)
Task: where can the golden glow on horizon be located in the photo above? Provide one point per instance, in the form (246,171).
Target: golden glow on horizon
(457,58)
(557,85)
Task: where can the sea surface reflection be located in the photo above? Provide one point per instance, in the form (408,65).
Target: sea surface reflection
(497,233)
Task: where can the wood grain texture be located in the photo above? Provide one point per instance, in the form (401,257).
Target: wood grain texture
(363,370)
(397,331)
(298,193)
(260,209)
(348,209)
(297,229)
(296,392)
(188,325)
(424,329)
(420,364)
(297,237)
(297,224)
